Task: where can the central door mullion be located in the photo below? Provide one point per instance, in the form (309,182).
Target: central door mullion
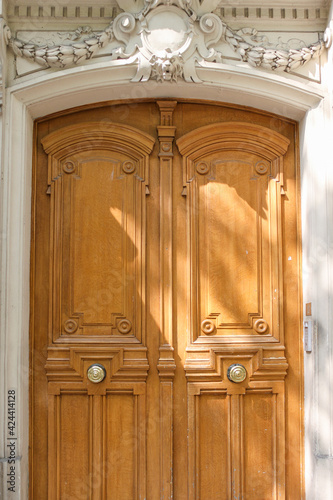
(166,363)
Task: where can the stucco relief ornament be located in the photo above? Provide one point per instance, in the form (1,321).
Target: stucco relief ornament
(169,39)
(167,67)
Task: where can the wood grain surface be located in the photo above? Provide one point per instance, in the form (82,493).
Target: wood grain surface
(166,248)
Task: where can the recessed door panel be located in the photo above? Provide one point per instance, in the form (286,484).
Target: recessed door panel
(233,188)
(263,473)
(96,229)
(97,191)
(73,439)
(212,445)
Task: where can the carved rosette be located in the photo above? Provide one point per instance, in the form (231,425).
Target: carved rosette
(165,148)
(128,167)
(70,326)
(260,326)
(202,167)
(262,167)
(69,167)
(124,326)
(121,325)
(208,327)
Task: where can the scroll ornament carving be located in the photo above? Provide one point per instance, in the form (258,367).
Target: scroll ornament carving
(168,39)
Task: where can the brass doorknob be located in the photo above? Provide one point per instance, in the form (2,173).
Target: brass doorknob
(236,373)
(96,373)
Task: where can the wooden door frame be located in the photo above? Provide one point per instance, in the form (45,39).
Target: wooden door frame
(24,103)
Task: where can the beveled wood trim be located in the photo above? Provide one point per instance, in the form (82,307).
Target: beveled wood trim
(89,134)
(230,135)
(180,100)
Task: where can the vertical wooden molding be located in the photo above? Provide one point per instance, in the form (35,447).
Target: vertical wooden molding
(141,452)
(166,364)
(280,444)
(229,433)
(91,445)
(166,440)
(166,135)
(104,447)
(192,473)
(97,447)
(237,472)
(53,427)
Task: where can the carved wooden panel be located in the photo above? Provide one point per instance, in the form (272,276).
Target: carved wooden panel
(97,445)
(263,457)
(236,450)
(100,426)
(210,445)
(233,177)
(166,265)
(98,181)
(69,423)
(236,430)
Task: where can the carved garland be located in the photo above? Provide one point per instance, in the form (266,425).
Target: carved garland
(197,40)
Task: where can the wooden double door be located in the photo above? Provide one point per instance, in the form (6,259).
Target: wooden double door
(165,252)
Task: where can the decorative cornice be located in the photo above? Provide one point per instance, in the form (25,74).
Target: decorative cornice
(286,11)
(167,39)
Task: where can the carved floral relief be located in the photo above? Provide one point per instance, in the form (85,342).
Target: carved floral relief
(168,39)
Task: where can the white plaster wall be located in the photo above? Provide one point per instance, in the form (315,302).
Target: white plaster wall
(316,135)
(16,199)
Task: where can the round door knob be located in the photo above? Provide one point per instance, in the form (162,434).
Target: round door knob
(236,373)
(96,373)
